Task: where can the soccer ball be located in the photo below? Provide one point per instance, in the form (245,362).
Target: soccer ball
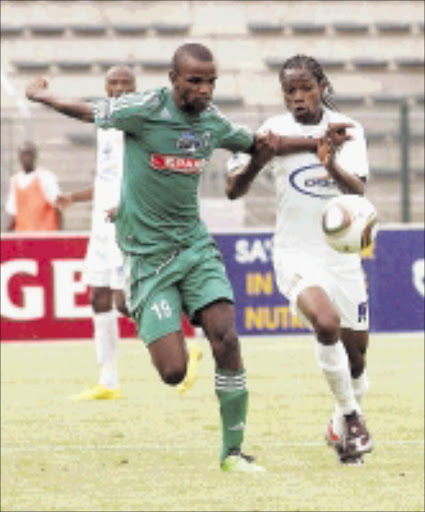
(349,223)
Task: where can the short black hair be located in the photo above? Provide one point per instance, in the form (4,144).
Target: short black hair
(195,50)
(311,64)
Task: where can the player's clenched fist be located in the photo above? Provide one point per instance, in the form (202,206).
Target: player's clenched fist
(36,89)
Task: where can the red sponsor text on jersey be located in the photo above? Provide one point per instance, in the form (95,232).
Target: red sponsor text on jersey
(185,165)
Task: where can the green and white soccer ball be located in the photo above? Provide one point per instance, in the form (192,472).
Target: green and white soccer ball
(349,223)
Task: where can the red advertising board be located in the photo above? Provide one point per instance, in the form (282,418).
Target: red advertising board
(42,294)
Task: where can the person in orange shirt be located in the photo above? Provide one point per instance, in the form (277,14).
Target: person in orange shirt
(32,195)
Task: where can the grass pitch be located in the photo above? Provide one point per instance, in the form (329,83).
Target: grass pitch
(157,451)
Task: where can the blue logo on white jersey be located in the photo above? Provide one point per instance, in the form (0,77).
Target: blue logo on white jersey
(310,182)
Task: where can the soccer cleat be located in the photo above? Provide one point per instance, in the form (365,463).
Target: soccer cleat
(356,439)
(98,392)
(237,462)
(195,355)
(333,441)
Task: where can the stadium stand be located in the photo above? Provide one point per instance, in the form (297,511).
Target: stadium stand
(373,53)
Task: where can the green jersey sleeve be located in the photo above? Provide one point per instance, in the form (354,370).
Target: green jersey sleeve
(128,112)
(234,137)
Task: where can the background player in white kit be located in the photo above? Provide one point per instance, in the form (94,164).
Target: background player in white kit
(103,269)
(326,288)
(104,262)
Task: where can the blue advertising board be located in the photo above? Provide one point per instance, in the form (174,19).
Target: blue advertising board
(395,274)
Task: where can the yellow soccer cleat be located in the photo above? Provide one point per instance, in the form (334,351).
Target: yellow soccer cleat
(98,392)
(237,462)
(195,355)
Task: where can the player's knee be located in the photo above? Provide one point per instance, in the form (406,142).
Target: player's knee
(120,304)
(101,300)
(327,326)
(357,365)
(226,348)
(173,376)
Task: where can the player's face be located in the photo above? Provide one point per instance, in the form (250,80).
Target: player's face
(119,81)
(27,157)
(193,84)
(303,95)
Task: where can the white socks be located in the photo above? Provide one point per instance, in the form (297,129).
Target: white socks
(333,361)
(106,341)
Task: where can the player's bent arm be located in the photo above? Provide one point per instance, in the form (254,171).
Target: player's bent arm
(38,91)
(239,180)
(289,145)
(266,146)
(85,194)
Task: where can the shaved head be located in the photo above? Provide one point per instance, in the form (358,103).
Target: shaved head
(120,79)
(194,50)
(120,69)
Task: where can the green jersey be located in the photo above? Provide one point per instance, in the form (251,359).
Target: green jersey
(165,153)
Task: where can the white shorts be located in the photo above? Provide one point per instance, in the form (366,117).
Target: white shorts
(346,287)
(103,266)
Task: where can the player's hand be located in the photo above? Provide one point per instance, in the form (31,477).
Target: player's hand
(36,89)
(266,147)
(63,201)
(111,214)
(333,139)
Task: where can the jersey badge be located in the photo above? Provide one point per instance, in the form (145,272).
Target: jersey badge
(188,143)
(311,181)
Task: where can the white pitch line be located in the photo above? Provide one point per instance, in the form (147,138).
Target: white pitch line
(80,447)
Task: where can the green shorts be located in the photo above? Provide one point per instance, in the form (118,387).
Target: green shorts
(186,280)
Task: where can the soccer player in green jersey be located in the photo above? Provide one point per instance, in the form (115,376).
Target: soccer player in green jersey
(171,261)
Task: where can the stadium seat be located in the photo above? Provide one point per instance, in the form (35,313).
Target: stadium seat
(171,28)
(29,66)
(368,63)
(46,30)
(74,65)
(411,63)
(332,64)
(228,101)
(393,27)
(11,31)
(308,28)
(351,28)
(350,100)
(265,27)
(387,99)
(155,64)
(88,30)
(130,30)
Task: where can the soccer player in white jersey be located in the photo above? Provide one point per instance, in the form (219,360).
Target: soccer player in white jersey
(104,262)
(326,288)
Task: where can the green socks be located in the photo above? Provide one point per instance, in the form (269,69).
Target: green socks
(230,388)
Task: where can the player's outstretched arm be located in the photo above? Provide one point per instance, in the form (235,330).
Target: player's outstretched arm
(265,147)
(65,200)
(38,91)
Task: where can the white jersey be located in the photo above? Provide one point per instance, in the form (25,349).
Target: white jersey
(303,185)
(109,168)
